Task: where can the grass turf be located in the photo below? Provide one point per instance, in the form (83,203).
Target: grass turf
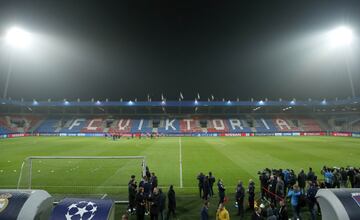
(230,158)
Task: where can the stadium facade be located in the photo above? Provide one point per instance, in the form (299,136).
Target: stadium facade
(187,118)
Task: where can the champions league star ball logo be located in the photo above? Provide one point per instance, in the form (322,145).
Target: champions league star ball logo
(4,201)
(82,210)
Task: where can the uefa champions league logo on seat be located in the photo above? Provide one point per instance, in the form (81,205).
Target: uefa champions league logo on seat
(82,210)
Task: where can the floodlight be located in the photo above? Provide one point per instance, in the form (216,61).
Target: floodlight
(18,38)
(340,36)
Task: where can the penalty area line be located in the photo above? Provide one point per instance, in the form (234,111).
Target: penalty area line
(180,161)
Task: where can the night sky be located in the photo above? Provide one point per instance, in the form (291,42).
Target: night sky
(128,49)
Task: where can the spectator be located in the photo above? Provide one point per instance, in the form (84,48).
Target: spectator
(124,217)
(294,194)
(204,213)
(171,203)
(162,202)
(239,197)
(211,182)
(155,204)
(221,189)
(263,183)
(222,213)
(200,178)
(251,191)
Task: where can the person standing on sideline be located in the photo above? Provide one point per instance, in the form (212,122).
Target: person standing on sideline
(239,197)
(311,193)
(221,189)
(211,182)
(140,204)
(201,178)
(222,213)
(251,191)
(162,202)
(206,188)
(204,213)
(171,203)
(294,194)
(154,204)
(282,212)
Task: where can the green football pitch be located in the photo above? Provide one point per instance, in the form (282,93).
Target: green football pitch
(229,158)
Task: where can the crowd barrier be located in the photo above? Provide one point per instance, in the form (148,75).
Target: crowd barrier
(242,134)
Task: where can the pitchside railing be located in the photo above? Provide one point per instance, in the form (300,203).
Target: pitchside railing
(80,174)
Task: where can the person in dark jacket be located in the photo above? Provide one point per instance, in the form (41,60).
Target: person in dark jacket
(251,192)
(344,178)
(162,202)
(310,175)
(272,189)
(357,180)
(282,212)
(221,189)
(211,182)
(201,178)
(131,194)
(204,213)
(140,204)
(302,181)
(280,188)
(351,175)
(206,188)
(239,197)
(171,202)
(311,193)
(154,202)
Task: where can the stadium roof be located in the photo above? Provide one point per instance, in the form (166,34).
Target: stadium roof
(34,103)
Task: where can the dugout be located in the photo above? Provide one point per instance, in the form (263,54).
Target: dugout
(82,208)
(25,204)
(339,204)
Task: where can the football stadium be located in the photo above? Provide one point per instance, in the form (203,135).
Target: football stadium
(150,129)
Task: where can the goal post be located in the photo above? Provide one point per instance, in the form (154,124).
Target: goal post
(80,174)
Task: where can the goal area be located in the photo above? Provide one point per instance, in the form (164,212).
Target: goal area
(86,175)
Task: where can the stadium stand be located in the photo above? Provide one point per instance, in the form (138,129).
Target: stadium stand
(161,125)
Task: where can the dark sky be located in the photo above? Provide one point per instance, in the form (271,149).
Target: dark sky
(127,49)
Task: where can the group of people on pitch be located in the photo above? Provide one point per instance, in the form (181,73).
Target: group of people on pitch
(146,198)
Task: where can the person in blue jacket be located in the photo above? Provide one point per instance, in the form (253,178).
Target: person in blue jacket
(294,194)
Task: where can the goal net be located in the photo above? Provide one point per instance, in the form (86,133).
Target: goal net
(80,174)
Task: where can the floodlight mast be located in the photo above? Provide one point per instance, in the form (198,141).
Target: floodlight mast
(17,38)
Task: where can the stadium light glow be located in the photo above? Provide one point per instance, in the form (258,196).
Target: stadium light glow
(18,38)
(341,36)
(261,102)
(196,102)
(163,102)
(98,102)
(130,103)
